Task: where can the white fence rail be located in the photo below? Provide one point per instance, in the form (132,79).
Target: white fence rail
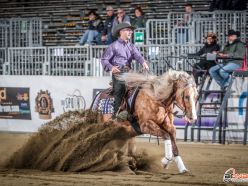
(3,58)
(25,61)
(85,61)
(68,61)
(4,33)
(182,28)
(21,32)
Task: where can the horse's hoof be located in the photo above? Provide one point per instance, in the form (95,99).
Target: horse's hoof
(166,162)
(186,172)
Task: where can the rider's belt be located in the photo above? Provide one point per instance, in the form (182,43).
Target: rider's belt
(125,68)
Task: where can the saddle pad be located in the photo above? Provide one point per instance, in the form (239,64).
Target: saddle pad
(105,106)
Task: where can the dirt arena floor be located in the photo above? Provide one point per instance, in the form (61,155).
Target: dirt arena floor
(207,163)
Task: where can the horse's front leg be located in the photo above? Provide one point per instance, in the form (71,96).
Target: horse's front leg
(150,127)
(173,147)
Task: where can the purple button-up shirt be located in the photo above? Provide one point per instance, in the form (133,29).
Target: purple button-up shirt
(120,53)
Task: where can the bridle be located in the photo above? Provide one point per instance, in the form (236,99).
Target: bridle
(189,84)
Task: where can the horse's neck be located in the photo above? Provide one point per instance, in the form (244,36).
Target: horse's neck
(169,101)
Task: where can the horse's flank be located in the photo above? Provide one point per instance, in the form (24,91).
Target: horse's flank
(158,87)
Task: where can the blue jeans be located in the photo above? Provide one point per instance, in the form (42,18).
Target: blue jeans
(182,35)
(89,37)
(221,73)
(109,40)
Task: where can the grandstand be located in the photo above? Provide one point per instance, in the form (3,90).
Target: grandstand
(59,18)
(38,38)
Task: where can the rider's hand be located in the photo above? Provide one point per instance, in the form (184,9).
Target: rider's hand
(145,66)
(104,38)
(115,70)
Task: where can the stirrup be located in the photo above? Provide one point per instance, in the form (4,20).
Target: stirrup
(123,115)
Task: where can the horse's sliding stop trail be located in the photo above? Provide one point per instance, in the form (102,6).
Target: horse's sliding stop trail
(74,142)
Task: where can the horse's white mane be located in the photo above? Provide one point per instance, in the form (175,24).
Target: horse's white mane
(158,87)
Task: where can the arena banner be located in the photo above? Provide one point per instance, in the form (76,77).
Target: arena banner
(48,96)
(14,103)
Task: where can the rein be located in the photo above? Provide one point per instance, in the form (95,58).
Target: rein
(173,97)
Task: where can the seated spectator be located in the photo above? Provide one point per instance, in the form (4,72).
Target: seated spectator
(139,20)
(120,18)
(233,49)
(107,37)
(210,46)
(95,27)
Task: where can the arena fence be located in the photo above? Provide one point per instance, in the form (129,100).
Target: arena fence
(21,32)
(68,61)
(157,31)
(25,61)
(4,32)
(3,58)
(85,60)
(182,28)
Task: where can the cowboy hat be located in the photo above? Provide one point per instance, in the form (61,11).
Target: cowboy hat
(91,12)
(233,32)
(120,27)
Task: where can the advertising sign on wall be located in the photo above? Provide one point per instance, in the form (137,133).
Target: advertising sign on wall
(14,103)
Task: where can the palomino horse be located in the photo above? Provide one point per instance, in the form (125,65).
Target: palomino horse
(153,107)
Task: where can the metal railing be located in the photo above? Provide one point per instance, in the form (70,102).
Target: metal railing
(85,60)
(21,32)
(4,32)
(183,28)
(68,61)
(25,61)
(157,31)
(3,58)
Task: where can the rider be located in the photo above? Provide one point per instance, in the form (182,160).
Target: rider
(117,58)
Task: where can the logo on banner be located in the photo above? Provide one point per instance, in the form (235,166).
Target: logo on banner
(2,94)
(231,176)
(14,103)
(74,101)
(44,105)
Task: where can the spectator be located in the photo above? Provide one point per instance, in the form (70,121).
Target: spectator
(120,18)
(181,31)
(209,47)
(233,49)
(95,27)
(139,20)
(107,37)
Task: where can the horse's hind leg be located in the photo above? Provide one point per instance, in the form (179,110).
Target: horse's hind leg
(131,147)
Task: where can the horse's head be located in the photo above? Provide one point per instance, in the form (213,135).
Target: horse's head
(186,95)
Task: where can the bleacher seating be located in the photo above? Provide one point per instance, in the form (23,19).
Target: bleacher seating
(61,17)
